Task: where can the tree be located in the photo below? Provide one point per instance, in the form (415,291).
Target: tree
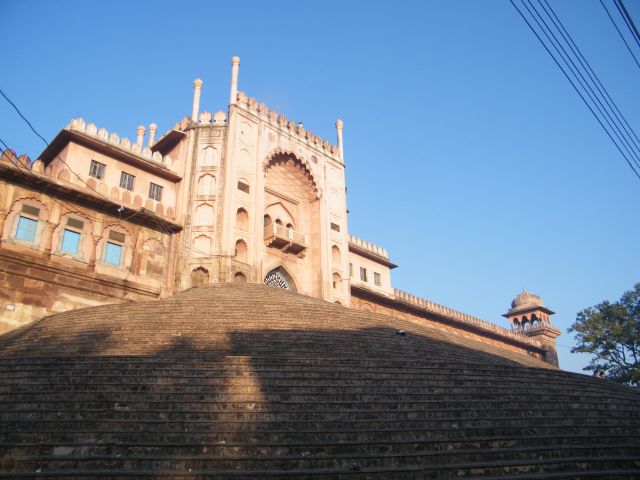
(611,332)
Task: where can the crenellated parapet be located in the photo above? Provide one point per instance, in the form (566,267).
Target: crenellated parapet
(369,247)
(18,161)
(282,123)
(135,148)
(440,310)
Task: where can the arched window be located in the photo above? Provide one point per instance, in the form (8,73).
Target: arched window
(335,255)
(241,251)
(239,277)
(70,237)
(206,184)
(28,221)
(199,276)
(242,219)
(114,247)
(336,281)
(278,277)
(204,214)
(267,220)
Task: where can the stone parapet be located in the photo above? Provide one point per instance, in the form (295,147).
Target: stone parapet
(131,148)
(437,309)
(368,246)
(282,123)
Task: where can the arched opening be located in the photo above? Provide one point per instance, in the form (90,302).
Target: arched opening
(335,255)
(199,276)
(242,219)
(239,277)
(241,251)
(336,281)
(267,220)
(279,277)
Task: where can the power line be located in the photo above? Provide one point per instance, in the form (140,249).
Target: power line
(628,20)
(562,68)
(65,163)
(584,83)
(620,33)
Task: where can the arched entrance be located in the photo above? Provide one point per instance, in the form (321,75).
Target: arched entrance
(278,277)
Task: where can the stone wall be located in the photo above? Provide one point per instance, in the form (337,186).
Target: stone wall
(370,302)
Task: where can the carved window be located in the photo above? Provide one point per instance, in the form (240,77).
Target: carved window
(277,279)
(127,181)
(96,170)
(155,192)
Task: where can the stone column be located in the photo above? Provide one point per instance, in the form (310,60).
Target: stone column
(197,90)
(339,125)
(140,138)
(153,128)
(235,63)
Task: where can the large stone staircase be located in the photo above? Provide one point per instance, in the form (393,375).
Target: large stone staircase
(250,381)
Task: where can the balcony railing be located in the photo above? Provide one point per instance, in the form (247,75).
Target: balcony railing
(285,239)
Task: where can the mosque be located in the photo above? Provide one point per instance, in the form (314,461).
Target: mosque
(244,196)
(193,306)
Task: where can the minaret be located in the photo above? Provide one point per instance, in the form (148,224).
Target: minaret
(339,125)
(233,93)
(529,315)
(197,90)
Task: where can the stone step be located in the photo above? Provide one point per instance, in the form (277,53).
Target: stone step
(142,434)
(614,467)
(311,447)
(168,461)
(123,412)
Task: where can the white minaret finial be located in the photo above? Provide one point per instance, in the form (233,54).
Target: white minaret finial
(235,63)
(339,125)
(153,128)
(141,131)
(197,89)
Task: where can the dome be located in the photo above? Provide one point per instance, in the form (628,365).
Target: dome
(244,381)
(526,300)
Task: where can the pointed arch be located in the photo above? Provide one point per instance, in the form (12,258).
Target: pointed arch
(280,155)
(279,277)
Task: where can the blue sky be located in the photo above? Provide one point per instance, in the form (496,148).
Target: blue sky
(468,155)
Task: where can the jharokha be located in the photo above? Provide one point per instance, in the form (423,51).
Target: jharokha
(243,196)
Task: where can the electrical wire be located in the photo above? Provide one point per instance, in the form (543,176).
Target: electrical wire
(571,81)
(619,33)
(593,76)
(587,87)
(628,20)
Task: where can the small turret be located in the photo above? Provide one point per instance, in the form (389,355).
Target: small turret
(529,315)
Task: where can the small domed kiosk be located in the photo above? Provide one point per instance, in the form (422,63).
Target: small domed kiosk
(529,315)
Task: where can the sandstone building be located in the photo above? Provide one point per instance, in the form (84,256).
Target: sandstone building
(240,196)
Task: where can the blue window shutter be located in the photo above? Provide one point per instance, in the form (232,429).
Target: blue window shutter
(26,229)
(113,253)
(70,242)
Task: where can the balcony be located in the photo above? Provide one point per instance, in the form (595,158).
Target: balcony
(285,239)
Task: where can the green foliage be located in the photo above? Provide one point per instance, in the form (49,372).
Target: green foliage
(611,332)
